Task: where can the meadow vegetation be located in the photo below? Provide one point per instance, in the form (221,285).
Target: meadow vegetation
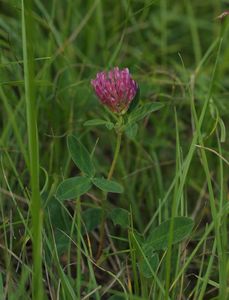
(164,224)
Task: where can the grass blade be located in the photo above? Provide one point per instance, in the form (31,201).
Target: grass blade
(31,111)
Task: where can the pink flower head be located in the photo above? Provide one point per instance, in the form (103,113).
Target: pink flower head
(115,89)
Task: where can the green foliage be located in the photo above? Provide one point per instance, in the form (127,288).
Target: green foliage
(92,218)
(109,125)
(144,110)
(119,216)
(61,225)
(107,185)
(96,122)
(80,156)
(131,130)
(146,264)
(61,242)
(73,188)
(159,236)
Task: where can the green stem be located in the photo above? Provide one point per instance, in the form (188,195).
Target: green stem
(31,111)
(117,149)
(110,174)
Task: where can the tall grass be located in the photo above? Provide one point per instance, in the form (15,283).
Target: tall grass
(28,35)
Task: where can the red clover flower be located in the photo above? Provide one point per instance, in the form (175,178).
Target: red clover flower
(115,89)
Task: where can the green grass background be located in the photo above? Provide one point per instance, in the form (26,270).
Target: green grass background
(178,53)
